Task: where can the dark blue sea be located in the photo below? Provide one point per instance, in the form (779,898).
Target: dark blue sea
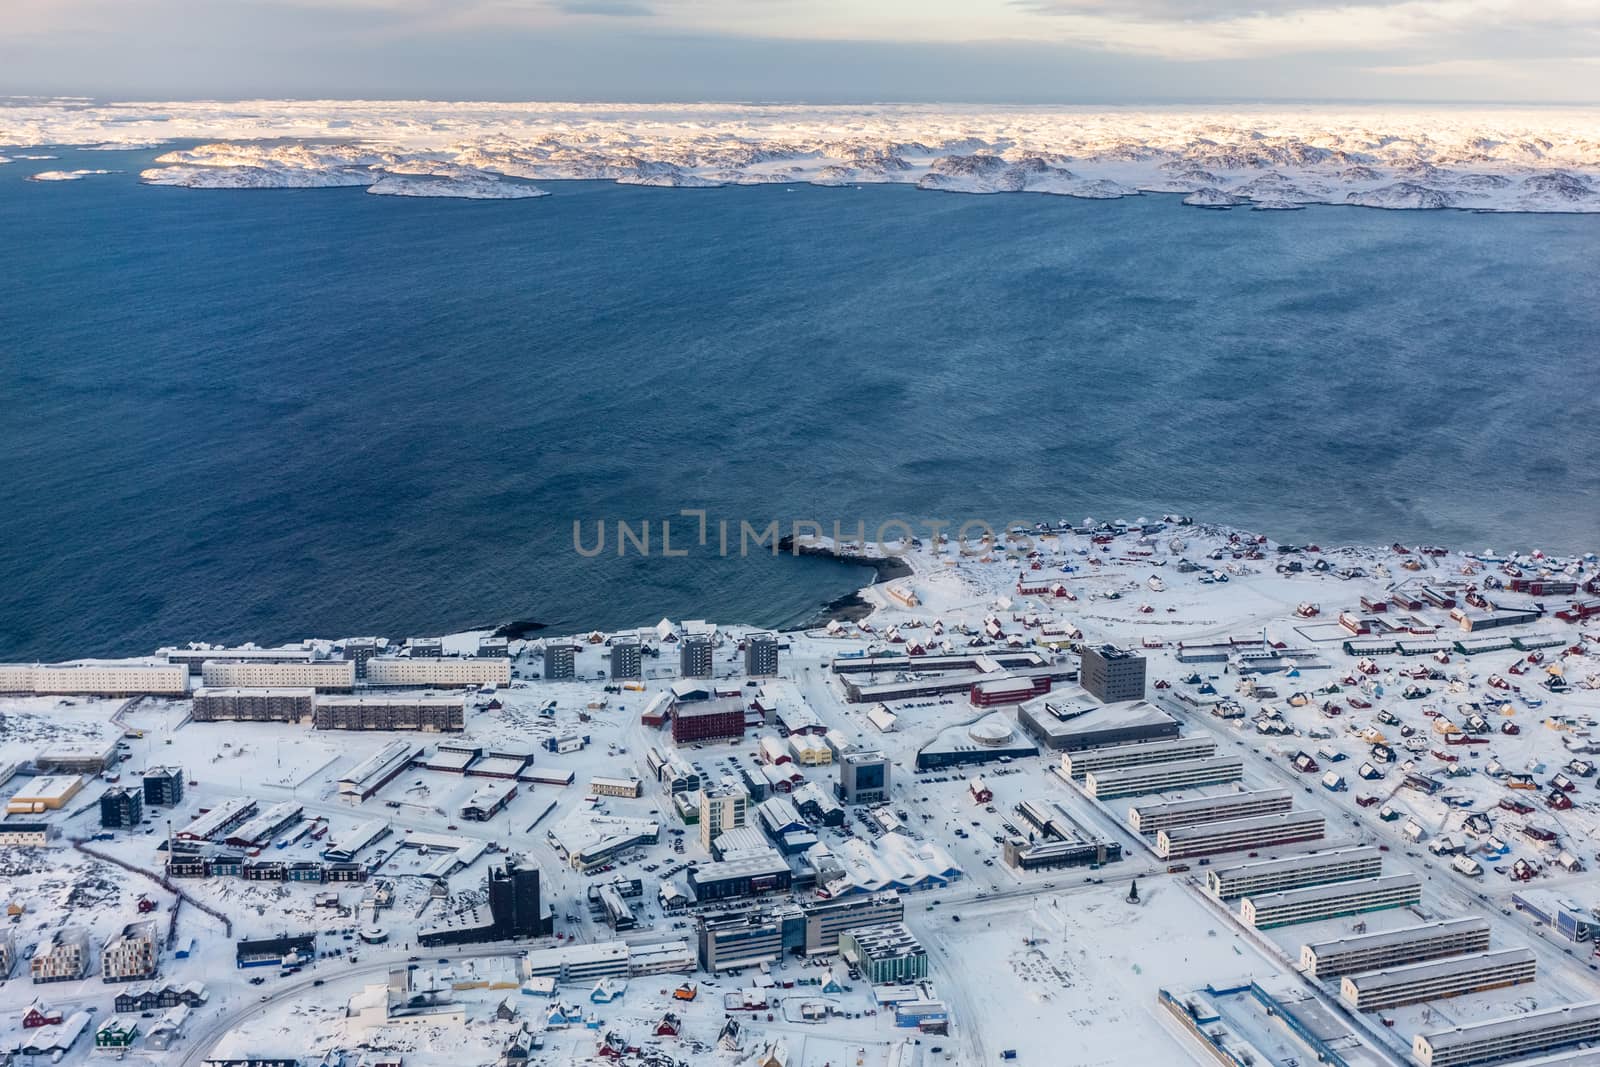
(260,416)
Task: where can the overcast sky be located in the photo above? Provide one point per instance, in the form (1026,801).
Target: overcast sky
(1025,51)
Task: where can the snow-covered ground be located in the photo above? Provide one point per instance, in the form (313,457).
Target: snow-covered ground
(1500,159)
(1025,960)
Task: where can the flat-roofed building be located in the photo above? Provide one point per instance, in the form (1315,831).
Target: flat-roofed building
(1078,764)
(578,963)
(1313,903)
(1163,777)
(739,939)
(49,792)
(193,659)
(218,819)
(694,656)
(708,720)
(885,953)
(430,713)
(1509,1037)
(616,787)
(1394,948)
(1416,983)
(761,655)
(1149,817)
(827,919)
(560,661)
(1111,674)
(27,834)
(247,704)
(77,757)
(626,658)
(1293,872)
(438,673)
(110,679)
(325,676)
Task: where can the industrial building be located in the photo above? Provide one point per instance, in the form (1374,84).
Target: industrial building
(626,658)
(1163,777)
(131,955)
(1068,724)
(376,771)
(44,793)
(488,800)
(245,704)
(561,661)
(1294,872)
(707,720)
(192,659)
(695,655)
(761,655)
(325,676)
(121,808)
(77,757)
(885,954)
(1152,816)
(1111,674)
(1312,903)
(1437,979)
(260,829)
(163,787)
(443,672)
(1112,757)
(1506,1038)
(1394,948)
(863,777)
(218,819)
(428,713)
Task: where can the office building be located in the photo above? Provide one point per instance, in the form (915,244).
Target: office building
(1312,903)
(707,720)
(1438,979)
(863,777)
(1239,835)
(130,956)
(722,808)
(1293,872)
(238,704)
(430,713)
(1510,1037)
(627,659)
(63,957)
(616,787)
(1111,674)
(826,920)
(163,787)
(121,808)
(1068,723)
(736,940)
(1078,764)
(761,655)
(885,954)
(442,673)
(325,676)
(1149,817)
(747,874)
(1394,948)
(560,661)
(1163,777)
(694,656)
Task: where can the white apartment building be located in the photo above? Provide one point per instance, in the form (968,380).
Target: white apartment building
(442,672)
(1162,777)
(323,675)
(1292,872)
(1237,835)
(1393,948)
(1330,901)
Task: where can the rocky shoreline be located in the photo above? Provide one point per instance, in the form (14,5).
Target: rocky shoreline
(851,607)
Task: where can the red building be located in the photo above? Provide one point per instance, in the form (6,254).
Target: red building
(38,1015)
(1010,689)
(708,720)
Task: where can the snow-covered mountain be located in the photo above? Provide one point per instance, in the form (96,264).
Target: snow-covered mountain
(1487,160)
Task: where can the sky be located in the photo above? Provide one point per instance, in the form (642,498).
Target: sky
(1023,51)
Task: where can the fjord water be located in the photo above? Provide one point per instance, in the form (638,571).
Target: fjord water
(265,415)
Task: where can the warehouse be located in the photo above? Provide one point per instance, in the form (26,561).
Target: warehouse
(490,799)
(1237,835)
(1078,764)
(1293,872)
(438,673)
(323,676)
(46,793)
(259,830)
(1330,901)
(347,846)
(1066,722)
(1394,948)
(430,713)
(219,819)
(1152,816)
(886,953)
(377,771)
(77,757)
(1163,777)
(241,704)
(1515,1035)
(1438,979)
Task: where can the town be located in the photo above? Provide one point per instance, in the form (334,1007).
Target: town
(1151,791)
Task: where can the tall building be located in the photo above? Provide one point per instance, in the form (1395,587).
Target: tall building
(514,901)
(63,958)
(626,658)
(761,655)
(163,786)
(694,656)
(560,661)
(1111,674)
(863,778)
(131,954)
(361,649)
(707,720)
(121,808)
(722,808)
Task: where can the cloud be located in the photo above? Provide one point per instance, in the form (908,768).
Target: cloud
(613,8)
